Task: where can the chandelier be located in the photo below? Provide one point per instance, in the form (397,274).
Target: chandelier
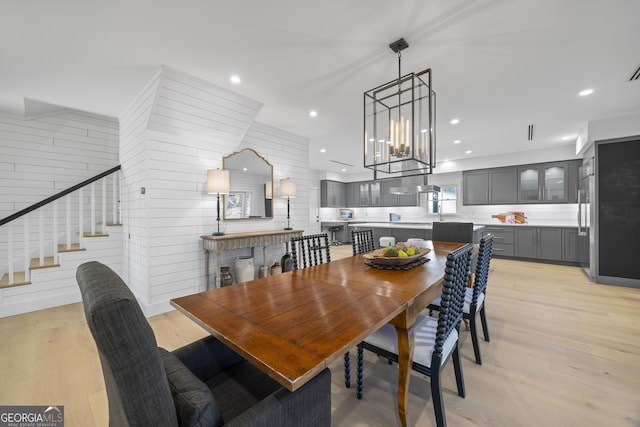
(399,123)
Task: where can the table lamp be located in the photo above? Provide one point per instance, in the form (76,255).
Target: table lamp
(288,191)
(218,183)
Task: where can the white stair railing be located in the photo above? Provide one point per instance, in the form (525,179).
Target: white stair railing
(47,235)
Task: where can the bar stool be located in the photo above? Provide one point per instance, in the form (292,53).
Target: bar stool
(333,230)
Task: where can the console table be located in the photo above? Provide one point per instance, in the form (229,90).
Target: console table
(250,239)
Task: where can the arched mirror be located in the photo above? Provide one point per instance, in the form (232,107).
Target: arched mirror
(250,186)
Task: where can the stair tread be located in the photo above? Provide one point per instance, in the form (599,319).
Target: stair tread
(18,280)
(48,263)
(97,234)
(74,247)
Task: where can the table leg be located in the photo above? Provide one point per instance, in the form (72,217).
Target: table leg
(405,357)
(206,269)
(217,269)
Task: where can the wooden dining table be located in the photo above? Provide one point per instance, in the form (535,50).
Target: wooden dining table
(293,325)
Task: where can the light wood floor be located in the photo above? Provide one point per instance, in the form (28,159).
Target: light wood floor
(563,352)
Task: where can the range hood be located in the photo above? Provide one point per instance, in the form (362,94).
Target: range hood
(414,185)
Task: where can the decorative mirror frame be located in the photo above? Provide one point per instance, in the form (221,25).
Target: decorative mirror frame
(240,195)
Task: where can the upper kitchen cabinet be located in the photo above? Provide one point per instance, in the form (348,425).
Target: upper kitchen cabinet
(370,194)
(332,194)
(352,194)
(490,186)
(543,183)
(391,200)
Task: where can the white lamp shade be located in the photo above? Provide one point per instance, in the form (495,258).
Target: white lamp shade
(217,181)
(287,188)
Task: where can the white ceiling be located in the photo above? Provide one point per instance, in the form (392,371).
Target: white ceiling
(498,65)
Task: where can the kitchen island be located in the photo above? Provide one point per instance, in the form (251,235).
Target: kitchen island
(402,231)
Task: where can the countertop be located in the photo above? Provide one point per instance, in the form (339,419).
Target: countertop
(405,225)
(413,223)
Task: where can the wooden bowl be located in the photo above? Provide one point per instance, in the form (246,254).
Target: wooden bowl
(377,257)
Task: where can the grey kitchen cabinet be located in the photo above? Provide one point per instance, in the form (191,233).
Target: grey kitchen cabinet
(570,244)
(543,183)
(503,241)
(475,187)
(538,243)
(392,200)
(332,194)
(490,186)
(364,195)
(352,194)
(404,234)
(407,200)
(375,193)
(388,199)
(503,187)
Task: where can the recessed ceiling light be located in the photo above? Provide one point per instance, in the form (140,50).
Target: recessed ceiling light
(569,137)
(457,141)
(344,170)
(454,121)
(468,152)
(322,150)
(585,92)
(244,169)
(313,113)
(235,79)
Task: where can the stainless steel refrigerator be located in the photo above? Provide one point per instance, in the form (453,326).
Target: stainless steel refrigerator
(609,212)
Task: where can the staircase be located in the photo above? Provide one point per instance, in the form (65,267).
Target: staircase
(37,270)
(19,277)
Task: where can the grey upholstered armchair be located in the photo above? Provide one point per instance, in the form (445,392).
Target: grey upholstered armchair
(204,383)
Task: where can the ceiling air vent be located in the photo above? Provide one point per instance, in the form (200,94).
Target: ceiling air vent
(341,163)
(530,132)
(635,75)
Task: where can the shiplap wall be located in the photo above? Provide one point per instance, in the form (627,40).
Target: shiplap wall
(41,156)
(179,127)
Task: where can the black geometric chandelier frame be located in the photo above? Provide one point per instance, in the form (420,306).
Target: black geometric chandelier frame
(399,124)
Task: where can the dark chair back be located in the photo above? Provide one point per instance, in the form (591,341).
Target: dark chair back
(456,275)
(482,267)
(362,241)
(310,250)
(461,232)
(136,382)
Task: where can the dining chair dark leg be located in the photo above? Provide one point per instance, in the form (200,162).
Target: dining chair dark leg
(457,367)
(436,396)
(483,319)
(474,339)
(347,370)
(360,370)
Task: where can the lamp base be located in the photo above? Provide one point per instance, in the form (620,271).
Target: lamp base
(217,233)
(288,228)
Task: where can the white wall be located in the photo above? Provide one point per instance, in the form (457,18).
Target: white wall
(42,156)
(177,128)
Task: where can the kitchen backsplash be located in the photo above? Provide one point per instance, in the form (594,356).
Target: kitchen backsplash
(537,214)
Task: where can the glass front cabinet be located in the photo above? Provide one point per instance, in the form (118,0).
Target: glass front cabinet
(544,183)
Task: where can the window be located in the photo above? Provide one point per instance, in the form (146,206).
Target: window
(446,198)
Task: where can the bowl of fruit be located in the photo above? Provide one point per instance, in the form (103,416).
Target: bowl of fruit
(399,254)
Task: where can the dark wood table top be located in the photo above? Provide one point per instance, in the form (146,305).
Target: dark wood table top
(288,325)
(292,325)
